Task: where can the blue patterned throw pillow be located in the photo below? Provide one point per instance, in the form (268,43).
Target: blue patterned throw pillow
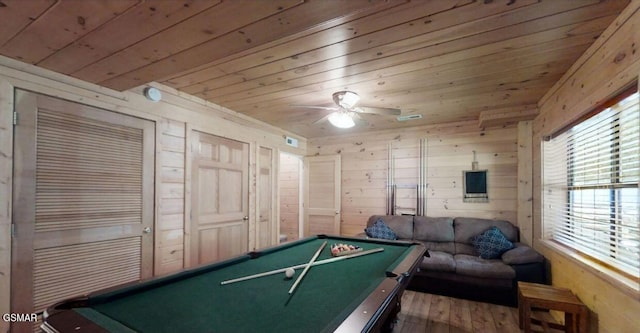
(380,230)
(491,244)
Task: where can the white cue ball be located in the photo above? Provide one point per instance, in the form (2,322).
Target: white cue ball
(289,272)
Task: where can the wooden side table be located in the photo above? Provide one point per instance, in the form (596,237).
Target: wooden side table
(533,295)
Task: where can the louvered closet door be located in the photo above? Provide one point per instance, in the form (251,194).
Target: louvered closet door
(83,205)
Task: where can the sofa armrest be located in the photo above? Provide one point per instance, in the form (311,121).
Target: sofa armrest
(521,254)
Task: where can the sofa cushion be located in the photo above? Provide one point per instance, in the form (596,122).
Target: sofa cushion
(491,244)
(466,227)
(380,230)
(464,248)
(448,247)
(438,262)
(484,268)
(521,254)
(402,225)
(433,229)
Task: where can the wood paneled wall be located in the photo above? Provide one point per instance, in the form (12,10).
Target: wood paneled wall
(172,116)
(170,226)
(449,152)
(525,181)
(289,183)
(606,68)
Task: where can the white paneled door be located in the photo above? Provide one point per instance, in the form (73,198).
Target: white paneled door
(266,226)
(219,227)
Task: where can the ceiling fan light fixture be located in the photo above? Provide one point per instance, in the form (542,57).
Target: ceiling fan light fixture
(346,99)
(341,120)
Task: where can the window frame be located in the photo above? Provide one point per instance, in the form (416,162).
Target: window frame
(614,204)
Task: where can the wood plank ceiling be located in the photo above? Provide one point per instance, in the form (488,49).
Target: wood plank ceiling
(449,60)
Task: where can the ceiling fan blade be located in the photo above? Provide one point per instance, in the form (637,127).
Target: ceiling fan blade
(382,111)
(328,108)
(360,122)
(321,120)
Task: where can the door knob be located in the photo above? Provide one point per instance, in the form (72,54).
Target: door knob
(246,218)
(147,230)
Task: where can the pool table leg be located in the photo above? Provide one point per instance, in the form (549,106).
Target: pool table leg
(392,319)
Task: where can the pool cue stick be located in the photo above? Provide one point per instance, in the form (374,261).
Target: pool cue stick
(315,263)
(307,267)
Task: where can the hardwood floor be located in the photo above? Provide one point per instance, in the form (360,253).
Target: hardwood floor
(423,312)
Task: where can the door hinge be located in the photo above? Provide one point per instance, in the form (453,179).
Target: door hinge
(15,118)
(13,230)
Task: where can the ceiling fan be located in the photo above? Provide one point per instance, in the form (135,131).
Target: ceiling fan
(346,110)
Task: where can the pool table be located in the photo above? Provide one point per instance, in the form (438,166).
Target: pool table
(359,294)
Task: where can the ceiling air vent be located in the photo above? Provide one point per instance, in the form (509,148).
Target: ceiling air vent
(409,117)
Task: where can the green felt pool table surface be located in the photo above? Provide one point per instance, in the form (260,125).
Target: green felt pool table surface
(331,297)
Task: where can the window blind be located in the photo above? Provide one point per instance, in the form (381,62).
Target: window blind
(591,197)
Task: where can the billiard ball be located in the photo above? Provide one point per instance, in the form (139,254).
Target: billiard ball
(289,272)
